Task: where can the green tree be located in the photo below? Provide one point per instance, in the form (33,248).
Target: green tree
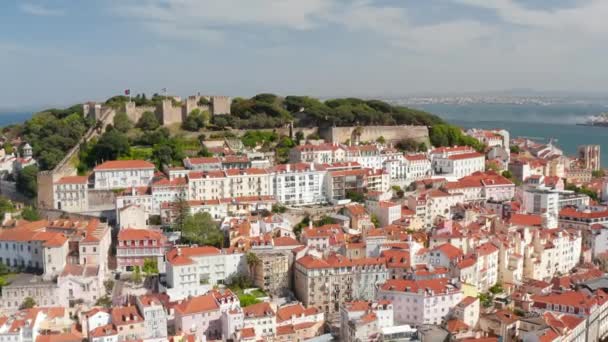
(598,173)
(148,121)
(104,301)
(136,276)
(278,208)
(375,220)
(247,300)
(183,211)
(355,196)
(514,149)
(150,267)
(30,214)
(196,120)
(122,122)
(381,140)
(299,136)
(112,145)
(496,288)
(28,303)
(27,182)
(252,262)
(6,206)
(108,285)
(8,148)
(201,229)
(507,174)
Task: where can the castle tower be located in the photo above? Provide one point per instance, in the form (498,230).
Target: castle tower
(27,151)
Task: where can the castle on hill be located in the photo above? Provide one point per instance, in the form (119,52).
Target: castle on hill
(169,111)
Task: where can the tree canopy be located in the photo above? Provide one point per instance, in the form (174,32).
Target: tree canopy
(27,182)
(148,121)
(201,229)
(52,133)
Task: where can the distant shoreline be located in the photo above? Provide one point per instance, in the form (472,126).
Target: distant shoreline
(11,118)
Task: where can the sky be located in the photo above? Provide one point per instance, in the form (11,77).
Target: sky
(58,52)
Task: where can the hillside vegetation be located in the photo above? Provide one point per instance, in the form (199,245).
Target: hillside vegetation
(53,132)
(269,111)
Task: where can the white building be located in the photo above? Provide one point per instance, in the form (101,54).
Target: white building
(408,168)
(431,204)
(319,154)
(542,202)
(71,194)
(386,212)
(459,165)
(192,271)
(155,317)
(420,301)
(362,320)
(298,183)
(120,174)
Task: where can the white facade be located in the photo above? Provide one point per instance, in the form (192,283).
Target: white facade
(542,202)
(192,271)
(420,302)
(298,184)
(120,174)
(70,194)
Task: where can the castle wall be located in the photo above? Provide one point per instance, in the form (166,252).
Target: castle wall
(134,113)
(65,167)
(168,114)
(101,199)
(221,105)
(371,133)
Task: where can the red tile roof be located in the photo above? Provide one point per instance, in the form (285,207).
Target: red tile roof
(450,251)
(198,304)
(258,310)
(124,164)
(526,220)
(131,234)
(438,286)
(73,180)
(182,255)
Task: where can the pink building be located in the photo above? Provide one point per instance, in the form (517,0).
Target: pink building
(136,245)
(199,316)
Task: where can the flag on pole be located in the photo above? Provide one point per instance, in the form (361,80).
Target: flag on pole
(127,92)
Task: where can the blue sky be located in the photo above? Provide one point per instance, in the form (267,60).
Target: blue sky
(56,52)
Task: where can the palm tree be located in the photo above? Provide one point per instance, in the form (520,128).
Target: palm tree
(252,261)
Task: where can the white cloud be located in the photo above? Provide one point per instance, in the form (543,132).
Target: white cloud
(588,17)
(40,10)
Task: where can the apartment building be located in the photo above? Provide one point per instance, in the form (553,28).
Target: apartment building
(262,318)
(483,186)
(320,154)
(420,301)
(199,316)
(137,245)
(431,204)
(340,183)
(298,183)
(273,273)
(387,212)
(44,245)
(364,320)
(192,271)
(229,183)
(121,174)
(408,168)
(71,193)
(325,283)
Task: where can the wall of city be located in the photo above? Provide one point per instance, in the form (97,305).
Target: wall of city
(371,133)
